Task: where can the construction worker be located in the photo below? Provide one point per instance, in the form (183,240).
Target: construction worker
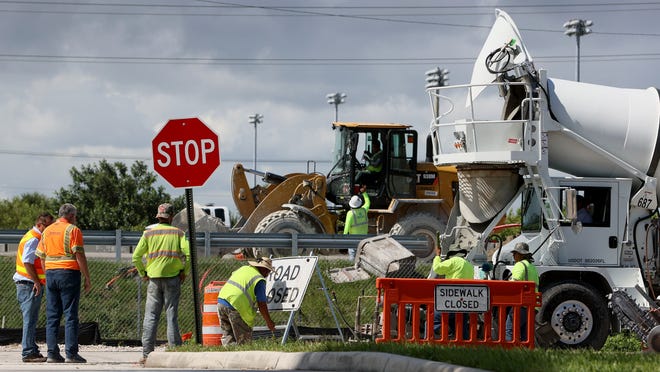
(373,165)
(522,270)
(30,278)
(583,214)
(374,159)
(357,220)
(63,258)
(454,266)
(245,290)
(167,254)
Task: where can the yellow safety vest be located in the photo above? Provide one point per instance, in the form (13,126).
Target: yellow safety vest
(357,219)
(239,292)
(20,267)
(360,222)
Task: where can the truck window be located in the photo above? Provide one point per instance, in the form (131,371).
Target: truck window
(531,216)
(593,206)
(218,212)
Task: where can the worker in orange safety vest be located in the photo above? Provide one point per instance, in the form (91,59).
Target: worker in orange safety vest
(63,258)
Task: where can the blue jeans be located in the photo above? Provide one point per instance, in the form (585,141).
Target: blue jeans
(161,292)
(523,324)
(451,319)
(62,297)
(29,304)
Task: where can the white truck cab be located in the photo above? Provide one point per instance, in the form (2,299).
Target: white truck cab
(218,212)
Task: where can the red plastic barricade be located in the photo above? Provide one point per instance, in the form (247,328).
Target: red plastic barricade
(468,312)
(211,333)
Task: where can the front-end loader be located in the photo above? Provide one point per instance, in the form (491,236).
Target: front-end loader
(407,197)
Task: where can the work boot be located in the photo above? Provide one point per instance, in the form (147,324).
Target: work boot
(76,359)
(57,358)
(34,358)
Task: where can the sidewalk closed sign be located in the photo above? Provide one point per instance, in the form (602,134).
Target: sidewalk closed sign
(462,298)
(287,283)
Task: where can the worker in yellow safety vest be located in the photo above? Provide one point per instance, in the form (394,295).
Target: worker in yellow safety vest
(454,266)
(374,159)
(357,219)
(29,279)
(525,270)
(373,165)
(240,295)
(167,253)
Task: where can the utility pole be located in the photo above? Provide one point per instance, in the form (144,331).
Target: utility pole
(255,119)
(336,99)
(578,28)
(436,78)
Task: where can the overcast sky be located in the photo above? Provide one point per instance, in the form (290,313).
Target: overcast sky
(84,82)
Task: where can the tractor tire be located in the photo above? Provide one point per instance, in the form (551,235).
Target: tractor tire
(423,224)
(282,221)
(578,314)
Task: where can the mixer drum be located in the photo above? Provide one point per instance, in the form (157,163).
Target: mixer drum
(623,122)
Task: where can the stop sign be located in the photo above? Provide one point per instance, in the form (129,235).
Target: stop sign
(186,152)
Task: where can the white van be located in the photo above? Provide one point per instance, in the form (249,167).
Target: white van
(218,212)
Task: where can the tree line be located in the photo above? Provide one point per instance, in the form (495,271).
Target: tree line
(108,196)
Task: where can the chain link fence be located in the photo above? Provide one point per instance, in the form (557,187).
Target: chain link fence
(116,301)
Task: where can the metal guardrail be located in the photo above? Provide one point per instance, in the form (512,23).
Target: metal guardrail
(207,240)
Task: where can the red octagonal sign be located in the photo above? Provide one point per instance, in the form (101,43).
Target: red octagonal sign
(186,152)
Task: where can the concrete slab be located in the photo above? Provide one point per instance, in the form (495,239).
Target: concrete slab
(318,361)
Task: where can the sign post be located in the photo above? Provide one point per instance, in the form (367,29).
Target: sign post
(186,152)
(286,286)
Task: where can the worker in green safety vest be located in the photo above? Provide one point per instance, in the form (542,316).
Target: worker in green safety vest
(357,219)
(522,270)
(238,299)
(454,266)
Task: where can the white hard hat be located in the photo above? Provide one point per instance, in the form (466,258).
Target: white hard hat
(355,202)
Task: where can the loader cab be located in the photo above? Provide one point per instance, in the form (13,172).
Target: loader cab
(383,157)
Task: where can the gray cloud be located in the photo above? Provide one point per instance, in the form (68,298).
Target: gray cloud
(145,69)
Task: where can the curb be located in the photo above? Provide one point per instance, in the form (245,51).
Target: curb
(315,361)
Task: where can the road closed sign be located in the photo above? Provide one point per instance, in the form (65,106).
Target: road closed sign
(287,283)
(462,298)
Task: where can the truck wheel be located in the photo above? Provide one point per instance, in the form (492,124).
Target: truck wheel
(282,221)
(423,224)
(578,314)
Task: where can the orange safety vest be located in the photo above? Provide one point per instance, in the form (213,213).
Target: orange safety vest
(20,267)
(58,244)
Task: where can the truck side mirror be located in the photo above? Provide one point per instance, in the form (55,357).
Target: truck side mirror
(571,204)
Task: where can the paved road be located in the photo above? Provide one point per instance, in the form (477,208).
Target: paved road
(96,361)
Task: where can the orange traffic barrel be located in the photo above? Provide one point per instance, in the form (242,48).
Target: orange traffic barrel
(211,333)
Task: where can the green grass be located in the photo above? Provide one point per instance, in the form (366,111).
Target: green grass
(116,310)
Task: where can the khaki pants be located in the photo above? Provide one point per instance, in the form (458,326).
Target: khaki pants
(234,329)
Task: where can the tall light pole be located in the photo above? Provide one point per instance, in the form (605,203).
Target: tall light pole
(578,28)
(255,119)
(336,99)
(434,79)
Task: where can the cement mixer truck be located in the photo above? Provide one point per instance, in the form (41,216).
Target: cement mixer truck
(582,161)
